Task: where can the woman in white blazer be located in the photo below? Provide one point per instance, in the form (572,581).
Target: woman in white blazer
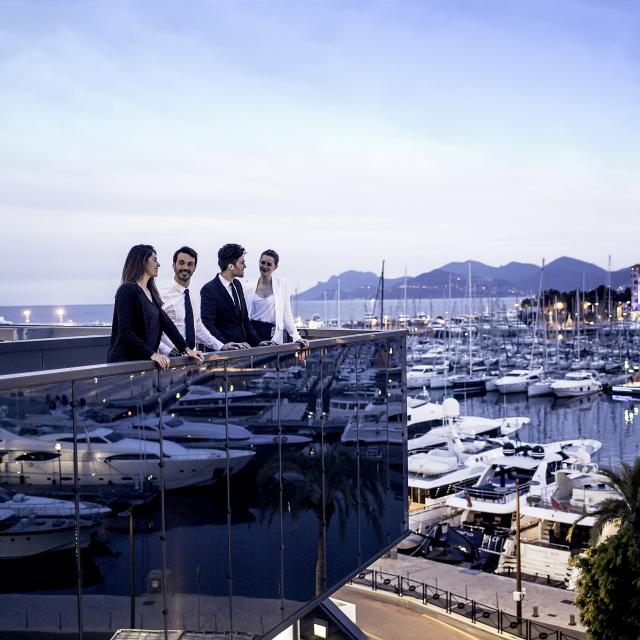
(269,304)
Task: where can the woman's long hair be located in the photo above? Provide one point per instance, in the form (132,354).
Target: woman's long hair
(134,268)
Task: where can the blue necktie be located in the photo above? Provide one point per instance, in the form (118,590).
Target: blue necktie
(189,326)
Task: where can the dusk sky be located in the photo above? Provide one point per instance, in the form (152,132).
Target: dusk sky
(338,133)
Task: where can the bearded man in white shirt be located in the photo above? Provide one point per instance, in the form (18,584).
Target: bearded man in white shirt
(183,308)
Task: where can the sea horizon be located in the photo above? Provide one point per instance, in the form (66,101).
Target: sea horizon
(348,310)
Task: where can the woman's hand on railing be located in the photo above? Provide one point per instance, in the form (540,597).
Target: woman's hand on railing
(162,361)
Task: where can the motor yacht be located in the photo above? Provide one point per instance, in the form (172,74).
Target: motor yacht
(107,458)
(526,465)
(518,380)
(468,427)
(577,383)
(218,403)
(557,522)
(23,505)
(420,375)
(22,537)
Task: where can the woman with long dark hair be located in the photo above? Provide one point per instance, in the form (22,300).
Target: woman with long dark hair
(138,318)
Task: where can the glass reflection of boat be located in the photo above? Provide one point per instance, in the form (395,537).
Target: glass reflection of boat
(372,426)
(188,433)
(198,435)
(30,536)
(107,458)
(201,399)
(41,506)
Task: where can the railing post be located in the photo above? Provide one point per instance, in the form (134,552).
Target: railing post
(375,579)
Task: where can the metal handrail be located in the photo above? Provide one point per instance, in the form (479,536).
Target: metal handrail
(69,374)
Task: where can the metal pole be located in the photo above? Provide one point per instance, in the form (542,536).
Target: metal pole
(132,573)
(518,559)
(76,499)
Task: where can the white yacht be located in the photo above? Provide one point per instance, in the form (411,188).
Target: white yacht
(434,474)
(107,458)
(23,506)
(518,380)
(468,426)
(188,433)
(541,388)
(557,522)
(202,399)
(30,536)
(532,465)
(420,375)
(577,383)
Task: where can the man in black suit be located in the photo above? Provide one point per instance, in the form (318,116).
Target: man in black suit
(222,305)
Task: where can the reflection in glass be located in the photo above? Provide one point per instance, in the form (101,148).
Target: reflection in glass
(227,495)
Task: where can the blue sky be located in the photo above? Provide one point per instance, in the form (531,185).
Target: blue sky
(338,133)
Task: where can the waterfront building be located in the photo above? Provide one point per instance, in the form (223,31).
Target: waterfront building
(255,551)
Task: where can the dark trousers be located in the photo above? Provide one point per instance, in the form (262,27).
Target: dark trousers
(263,329)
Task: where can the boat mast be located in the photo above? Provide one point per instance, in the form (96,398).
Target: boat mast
(339,317)
(469,325)
(382,297)
(406,319)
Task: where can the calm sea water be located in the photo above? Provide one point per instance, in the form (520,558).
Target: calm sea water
(349,311)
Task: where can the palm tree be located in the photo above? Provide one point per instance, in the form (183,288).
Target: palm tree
(322,479)
(626,508)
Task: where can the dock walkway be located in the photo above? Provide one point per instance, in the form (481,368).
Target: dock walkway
(555,606)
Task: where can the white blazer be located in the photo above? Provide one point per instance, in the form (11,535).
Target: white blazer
(282,302)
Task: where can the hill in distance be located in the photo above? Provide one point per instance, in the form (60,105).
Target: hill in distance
(514,278)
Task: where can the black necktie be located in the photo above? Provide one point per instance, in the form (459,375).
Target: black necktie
(236,300)
(189,326)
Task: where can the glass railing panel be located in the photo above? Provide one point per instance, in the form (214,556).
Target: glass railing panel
(348,399)
(37,514)
(256,557)
(395,516)
(197,515)
(285,490)
(119,467)
(302,422)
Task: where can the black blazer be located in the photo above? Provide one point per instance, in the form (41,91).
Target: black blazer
(132,324)
(221,317)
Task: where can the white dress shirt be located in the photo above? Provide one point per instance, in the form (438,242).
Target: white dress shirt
(172,295)
(227,285)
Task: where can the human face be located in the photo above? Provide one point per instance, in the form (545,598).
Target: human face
(183,268)
(238,267)
(267,265)
(151,266)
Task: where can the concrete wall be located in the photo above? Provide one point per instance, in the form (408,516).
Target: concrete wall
(57,353)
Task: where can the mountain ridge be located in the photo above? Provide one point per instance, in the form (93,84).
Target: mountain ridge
(514,278)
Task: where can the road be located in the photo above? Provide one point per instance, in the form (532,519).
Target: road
(384,620)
